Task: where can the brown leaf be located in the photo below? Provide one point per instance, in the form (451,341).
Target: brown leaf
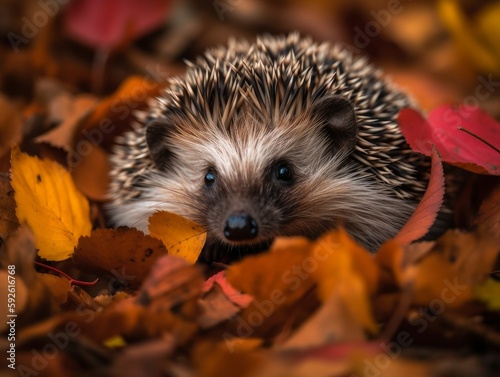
(68,112)
(115,114)
(10,125)
(15,296)
(489,213)
(8,219)
(35,302)
(125,252)
(166,302)
(171,282)
(215,307)
(145,359)
(333,322)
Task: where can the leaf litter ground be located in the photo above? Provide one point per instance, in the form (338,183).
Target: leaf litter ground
(323,308)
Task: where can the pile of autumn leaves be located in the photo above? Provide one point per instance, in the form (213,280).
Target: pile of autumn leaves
(326,306)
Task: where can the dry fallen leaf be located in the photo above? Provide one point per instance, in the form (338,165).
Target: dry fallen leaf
(393,259)
(304,308)
(333,322)
(59,287)
(449,129)
(10,125)
(238,298)
(47,199)
(223,360)
(145,359)
(348,273)
(216,307)
(33,300)
(220,301)
(104,25)
(452,268)
(475,37)
(182,237)
(489,213)
(171,282)
(14,301)
(489,292)
(426,212)
(166,302)
(126,253)
(68,112)
(280,282)
(8,219)
(117,112)
(91,174)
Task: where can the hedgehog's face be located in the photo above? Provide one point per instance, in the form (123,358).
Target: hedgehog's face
(254,180)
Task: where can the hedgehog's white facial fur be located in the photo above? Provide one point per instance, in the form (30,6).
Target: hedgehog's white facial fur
(240,111)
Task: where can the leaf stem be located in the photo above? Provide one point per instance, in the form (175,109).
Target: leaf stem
(71,280)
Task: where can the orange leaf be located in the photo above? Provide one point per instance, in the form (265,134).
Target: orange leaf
(426,212)
(115,114)
(280,282)
(348,271)
(449,272)
(281,270)
(91,175)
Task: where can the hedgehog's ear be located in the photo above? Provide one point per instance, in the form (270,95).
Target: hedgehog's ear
(338,119)
(157,134)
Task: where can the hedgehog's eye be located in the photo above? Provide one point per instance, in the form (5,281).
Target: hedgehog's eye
(284,172)
(209,178)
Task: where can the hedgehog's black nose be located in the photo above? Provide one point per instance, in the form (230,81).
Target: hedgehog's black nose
(240,226)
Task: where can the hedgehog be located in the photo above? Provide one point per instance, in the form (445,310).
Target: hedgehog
(282,137)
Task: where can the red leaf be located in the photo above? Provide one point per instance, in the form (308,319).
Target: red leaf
(442,128)
(426,212)
(105,24)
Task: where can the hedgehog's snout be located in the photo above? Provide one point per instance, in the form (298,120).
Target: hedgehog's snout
(240,226)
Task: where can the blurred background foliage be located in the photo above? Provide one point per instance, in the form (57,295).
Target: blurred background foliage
(439,51)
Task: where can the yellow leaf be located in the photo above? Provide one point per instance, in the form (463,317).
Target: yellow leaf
(48,200)
(115,342)
(469,37)
(488,28)
(182,237)
(489,293)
